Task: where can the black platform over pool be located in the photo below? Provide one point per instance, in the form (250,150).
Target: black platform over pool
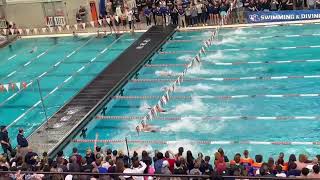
(71,118)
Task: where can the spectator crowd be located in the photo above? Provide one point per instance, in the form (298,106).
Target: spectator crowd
(186,13)
(112,161)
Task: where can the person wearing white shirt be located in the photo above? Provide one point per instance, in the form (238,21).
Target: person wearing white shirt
(130,18)
(138,167)
(311,4)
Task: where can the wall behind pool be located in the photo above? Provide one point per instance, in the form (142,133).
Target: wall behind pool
(32,13)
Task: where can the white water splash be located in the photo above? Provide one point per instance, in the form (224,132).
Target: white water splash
(196,88)
(228,41)
(144,106)
(187,57)
(221,56)
(166,73)
(190,107)
(237,32)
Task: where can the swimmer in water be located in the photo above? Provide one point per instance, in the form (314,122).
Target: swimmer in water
(165,74)
(34,49)
(160,109)
(146,128)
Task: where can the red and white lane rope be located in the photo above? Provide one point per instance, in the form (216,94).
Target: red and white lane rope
(153,112)
(261,37)
(243,49)
(221,97)
(229,79)
(199,142)
(238,63)
(213,118)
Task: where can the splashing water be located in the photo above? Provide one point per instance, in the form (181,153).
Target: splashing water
(166,73)
(144,106)
(189,107)
(220,55)
(228,41)
(197,87)
(238,32)
(197,70)
(187,57)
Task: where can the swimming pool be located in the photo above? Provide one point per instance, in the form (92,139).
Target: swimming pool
(256,84)
(63,67)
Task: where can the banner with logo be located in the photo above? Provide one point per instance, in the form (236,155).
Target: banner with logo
(277,16)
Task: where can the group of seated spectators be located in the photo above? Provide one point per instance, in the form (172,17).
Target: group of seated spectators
(181,163)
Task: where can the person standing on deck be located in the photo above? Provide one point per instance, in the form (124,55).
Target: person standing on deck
(4,139)
(22,143)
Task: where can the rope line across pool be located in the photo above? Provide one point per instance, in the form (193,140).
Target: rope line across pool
(228,79)
(221,97)
(198,142)
(238,63)
(165,98)
(242,49)
(215,118)
(262,37)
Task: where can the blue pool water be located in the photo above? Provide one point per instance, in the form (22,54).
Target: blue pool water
(192,127)
(55,60)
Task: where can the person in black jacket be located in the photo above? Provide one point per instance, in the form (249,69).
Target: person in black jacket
(22,141)
(4,139)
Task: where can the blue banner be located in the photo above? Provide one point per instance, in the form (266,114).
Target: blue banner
(102,8)
(277,16)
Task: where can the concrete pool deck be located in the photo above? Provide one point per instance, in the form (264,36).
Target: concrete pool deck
(93,31)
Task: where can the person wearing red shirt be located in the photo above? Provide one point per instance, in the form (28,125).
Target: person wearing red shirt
(171,160)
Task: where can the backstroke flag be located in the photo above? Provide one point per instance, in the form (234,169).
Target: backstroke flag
(102,8)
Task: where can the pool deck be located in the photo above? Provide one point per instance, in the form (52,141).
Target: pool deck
(93,31)
(59,130)
(5,42)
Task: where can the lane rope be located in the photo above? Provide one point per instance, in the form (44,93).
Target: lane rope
(199,142)
(157,108)
(242,49)
(220,97)
(213,118)
(261,37)
(238,63)
(228,79)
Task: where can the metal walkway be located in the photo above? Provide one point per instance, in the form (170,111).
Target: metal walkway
(55,134)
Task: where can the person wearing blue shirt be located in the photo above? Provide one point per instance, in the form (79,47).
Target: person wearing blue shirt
(158,161)
(159,19)
(147,14)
